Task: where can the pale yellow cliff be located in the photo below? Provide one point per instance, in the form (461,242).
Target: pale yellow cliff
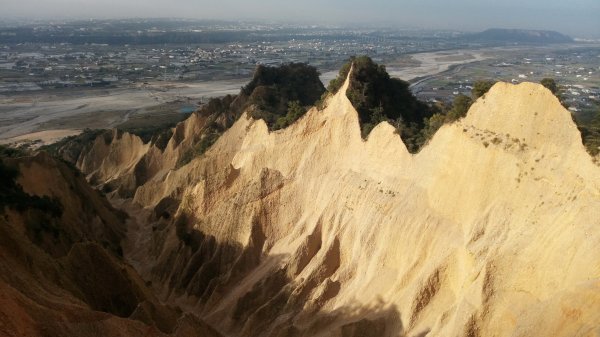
(491,230)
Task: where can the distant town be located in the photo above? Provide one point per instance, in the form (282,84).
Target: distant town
(46,58)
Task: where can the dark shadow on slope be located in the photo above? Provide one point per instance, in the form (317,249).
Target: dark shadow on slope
(377,320)
(69,277)
(274,304)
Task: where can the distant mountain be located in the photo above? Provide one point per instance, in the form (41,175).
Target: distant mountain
(521,35)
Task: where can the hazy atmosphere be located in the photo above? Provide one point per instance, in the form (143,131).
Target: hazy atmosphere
(577,17)
(299,168)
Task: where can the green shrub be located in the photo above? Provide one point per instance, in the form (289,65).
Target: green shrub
(336,83)
(480,88)
(276,95)
(377,97)
(550,83)
(460,106)
(294,112)
(198,149)
(273,89)
(433,124)
(590,133)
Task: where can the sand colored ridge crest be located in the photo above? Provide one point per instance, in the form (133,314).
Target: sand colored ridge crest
(490,230)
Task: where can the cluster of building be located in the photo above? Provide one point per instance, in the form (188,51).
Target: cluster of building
(576,71)
(32,66)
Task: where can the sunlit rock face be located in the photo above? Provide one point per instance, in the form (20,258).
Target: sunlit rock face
(490,230)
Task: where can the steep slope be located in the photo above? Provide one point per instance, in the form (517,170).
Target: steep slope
(120,161)
(489,231)
(61,270)
(378,97)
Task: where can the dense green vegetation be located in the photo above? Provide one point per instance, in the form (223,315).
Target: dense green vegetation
(377,97)
(480,88)
(459,108)
(590,133)
(277,95)
(294,112)
(281,95)
(589,127)
(550,83)
(336,83)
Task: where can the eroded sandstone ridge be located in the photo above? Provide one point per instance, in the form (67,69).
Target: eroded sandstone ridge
(490,230)
(61,267)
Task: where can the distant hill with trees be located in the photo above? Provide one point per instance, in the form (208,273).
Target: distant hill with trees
(520,36)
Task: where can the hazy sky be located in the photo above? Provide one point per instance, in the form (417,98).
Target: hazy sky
(575,17)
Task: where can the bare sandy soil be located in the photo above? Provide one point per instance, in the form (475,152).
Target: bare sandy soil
(490,230)
(24,114)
